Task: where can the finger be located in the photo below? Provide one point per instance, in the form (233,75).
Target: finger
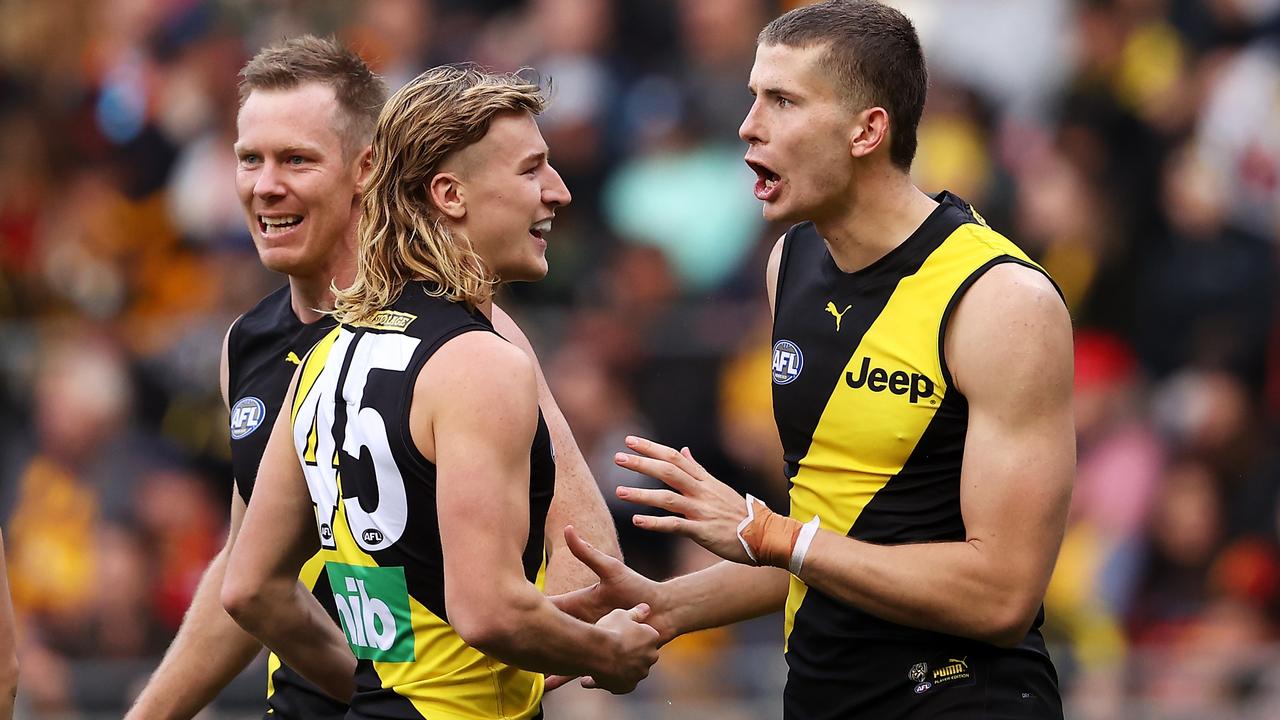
(652,449)
(670,524)
(698,471)
(588,682)
(660,470)
(640,612)
(682,459)
(597,562)
(555,681)
(661,499)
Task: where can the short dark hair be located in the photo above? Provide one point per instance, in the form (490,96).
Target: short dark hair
(359,91)
(873,52)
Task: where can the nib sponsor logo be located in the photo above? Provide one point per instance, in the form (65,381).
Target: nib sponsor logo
(373,611)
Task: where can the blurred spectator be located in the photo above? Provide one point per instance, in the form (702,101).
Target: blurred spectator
(1210,298)
(1239,138)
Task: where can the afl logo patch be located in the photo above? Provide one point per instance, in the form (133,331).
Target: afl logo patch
(788,361)
(246,415)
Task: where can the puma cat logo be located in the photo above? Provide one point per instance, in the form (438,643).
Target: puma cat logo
(837,314)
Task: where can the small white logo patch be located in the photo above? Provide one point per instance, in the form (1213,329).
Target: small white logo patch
(246,415)
(788,361)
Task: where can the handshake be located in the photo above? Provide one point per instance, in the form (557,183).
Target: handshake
(641,614)
(623,603)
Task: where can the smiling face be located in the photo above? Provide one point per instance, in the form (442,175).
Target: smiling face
(297,184)
(799,131)
(510,193)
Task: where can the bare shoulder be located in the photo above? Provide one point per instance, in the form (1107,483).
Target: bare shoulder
(476,382)
(1011,324)
(477,358)
(224,365)
(771,270)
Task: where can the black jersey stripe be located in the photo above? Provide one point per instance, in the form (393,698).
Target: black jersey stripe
(372,700)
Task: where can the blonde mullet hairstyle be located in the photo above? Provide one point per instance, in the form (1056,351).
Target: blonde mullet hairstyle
(401,234)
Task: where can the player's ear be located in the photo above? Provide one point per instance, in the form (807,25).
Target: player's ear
(448,195)
(870,130)
(364,167)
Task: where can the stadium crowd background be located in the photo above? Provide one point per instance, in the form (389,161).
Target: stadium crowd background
(1132,146)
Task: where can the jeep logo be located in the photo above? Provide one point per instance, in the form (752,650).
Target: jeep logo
(898,382)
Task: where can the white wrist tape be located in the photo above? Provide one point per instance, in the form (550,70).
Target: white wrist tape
(751,515)
(807,531)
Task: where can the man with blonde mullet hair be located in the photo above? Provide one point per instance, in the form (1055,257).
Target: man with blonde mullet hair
(414,455)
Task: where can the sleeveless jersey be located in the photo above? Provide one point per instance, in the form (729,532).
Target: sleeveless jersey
(264,348)
(375,502)
(873,435)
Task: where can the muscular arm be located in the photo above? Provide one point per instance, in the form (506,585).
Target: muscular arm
(209,649)
(479,437)
(577,501)
(1019,466)
(8,650)
(261,589)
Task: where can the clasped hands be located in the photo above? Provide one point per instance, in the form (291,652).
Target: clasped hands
(706,510)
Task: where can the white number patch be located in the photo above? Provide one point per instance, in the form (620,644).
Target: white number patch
(365,429)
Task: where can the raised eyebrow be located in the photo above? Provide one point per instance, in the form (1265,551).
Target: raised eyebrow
(538,156)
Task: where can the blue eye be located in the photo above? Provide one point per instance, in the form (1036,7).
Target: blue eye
(296,159)
(249,159)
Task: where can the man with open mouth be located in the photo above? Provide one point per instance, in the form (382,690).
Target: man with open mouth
(922,371)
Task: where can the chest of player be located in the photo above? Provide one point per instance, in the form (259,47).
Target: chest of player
(261,362)
(857,374)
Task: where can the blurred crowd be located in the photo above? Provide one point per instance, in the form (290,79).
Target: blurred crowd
(1131,146)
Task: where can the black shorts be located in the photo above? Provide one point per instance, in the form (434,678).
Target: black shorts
(963,680)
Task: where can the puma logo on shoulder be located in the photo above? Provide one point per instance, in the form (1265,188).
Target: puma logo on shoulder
(292,357)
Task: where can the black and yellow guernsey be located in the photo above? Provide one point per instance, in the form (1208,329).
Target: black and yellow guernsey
(376,514)
(873,435)
(264,348)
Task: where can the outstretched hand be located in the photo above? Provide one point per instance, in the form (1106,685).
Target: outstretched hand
(707,511)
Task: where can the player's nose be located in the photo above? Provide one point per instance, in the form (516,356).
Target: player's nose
(270,183)
(555,193)
(750,130)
